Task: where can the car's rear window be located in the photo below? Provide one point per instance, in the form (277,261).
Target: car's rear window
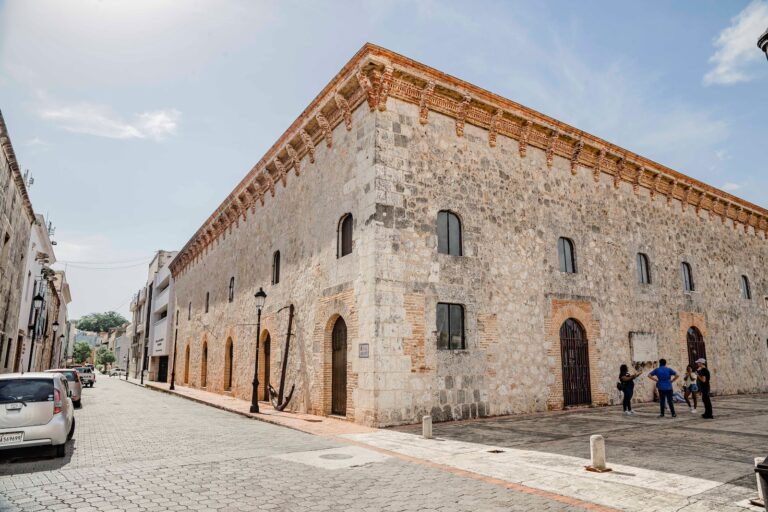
(27,390)
(84,370)
(69,374)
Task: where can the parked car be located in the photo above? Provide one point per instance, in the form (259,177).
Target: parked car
(73,381)
(87,376)
(35,410)
(119,372)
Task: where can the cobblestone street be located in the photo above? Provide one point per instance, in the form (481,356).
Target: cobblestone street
(136,449)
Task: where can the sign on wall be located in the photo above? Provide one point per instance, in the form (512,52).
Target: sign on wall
(363,351)
(644,346)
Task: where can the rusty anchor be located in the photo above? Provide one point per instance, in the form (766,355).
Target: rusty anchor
(277,396)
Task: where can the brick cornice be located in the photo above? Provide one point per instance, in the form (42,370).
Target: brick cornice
(375,74)
(10,156)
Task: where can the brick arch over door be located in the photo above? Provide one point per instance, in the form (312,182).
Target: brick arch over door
(687,321)
(265,367)
(581,311)
(229,357)
(186,364)
(329,310)
(204,364)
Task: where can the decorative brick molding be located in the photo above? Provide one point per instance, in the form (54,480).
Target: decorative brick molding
(330,308)
(375,74)
(10,157)
(562,310)
(487,330)
(413,345)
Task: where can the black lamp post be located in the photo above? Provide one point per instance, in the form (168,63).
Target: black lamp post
(37,301)
(762,43)
(261,297)
(127,363)
(62,352)
(173,368)
(54,328)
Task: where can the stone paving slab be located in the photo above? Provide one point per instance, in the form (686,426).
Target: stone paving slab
(140,450)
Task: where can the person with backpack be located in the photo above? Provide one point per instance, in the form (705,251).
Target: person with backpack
(626,385)
(664,376)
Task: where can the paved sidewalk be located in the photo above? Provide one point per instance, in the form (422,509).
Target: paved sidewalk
(548,452)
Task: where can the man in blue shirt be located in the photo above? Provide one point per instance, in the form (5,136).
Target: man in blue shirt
(664,376)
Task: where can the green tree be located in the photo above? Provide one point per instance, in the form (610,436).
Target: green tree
(104,357)
(81,351)
(101,322)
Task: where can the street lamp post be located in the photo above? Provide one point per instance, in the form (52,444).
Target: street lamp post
(762,43)
(261,297)
(37,301)
(127,362)
(62,351)
(173,368)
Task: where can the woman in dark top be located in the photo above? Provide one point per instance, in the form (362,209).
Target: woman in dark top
(628,387)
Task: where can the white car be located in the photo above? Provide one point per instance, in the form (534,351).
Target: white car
(119,372)
(35,410)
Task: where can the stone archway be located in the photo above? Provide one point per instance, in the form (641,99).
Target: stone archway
(204,365)
(265,351)
(339,367)
(574,350)
(186,365)
(229,354)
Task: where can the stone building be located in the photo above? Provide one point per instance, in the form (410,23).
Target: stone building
(16,219)
(452,252)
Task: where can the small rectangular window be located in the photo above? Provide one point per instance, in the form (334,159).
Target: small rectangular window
(450,326)
(207,300)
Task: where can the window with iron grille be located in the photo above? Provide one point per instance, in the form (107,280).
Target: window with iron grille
(746,290)
(344,242)
(567,255)
(450,326)
(643,268)
(448,233)
(688,283)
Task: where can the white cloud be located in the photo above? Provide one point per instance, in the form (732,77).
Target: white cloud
(101,121)
(730,187)
(737,46)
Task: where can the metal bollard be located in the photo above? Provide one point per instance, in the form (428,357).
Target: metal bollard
(597,454)
(426,427)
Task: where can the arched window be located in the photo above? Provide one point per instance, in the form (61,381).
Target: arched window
(448,233)
(567,255)
(207,300)
(189,311)
(231,288)
(177,317)
(746,291)
(276,267)
(688,284)
(643,269)
(344,241)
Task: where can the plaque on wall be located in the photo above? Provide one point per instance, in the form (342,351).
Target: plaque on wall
(644,347)
(364,350)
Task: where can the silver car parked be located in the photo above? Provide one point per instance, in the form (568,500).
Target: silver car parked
(73,380)
(35,410)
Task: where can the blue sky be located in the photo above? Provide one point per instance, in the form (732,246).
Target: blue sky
(136,118)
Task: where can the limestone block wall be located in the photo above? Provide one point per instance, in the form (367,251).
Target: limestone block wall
(513,210)
(301,222)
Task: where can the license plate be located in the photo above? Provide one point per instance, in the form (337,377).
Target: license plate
(11,438)
(13,407)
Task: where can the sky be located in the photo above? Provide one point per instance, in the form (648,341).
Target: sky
(137,118)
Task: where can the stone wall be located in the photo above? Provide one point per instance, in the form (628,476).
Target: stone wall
(301,222)
(513,210)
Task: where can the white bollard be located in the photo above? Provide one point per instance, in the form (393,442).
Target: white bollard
(426,427)
(597,453)
(759,460)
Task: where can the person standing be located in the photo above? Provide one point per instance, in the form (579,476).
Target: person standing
(704,387)
(627,387)
(690,387)
(664,376)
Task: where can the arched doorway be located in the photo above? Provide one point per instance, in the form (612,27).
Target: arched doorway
(266,347)
(339,368)
(228,358)
(204,366)
(186,365)
(696,348)
(574,355)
